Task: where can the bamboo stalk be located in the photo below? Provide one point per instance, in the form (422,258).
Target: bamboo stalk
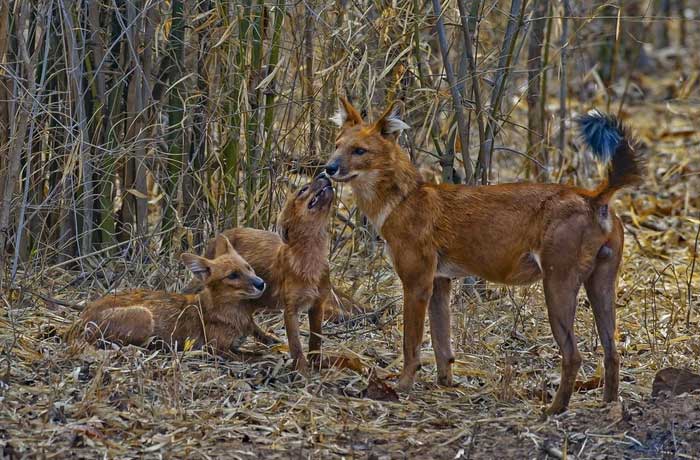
(563,81)
(268,121)
(135,202)
(309,76)
(68,218)
(423,75)
(75,54)
(102,125)
(171,72)
(192,173)
(535,96)
(36,100)
(25,67)
(448,158)
(479,114)
(232,158)
(5,34)
(253,148)
(515,21)
(543,89)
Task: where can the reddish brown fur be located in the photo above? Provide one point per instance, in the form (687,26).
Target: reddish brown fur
(509,233)
(212,317)
(293,262)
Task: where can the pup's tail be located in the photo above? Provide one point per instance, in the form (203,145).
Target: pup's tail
(609,140)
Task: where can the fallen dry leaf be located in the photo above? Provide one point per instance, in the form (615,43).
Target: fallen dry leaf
(379,390)
(675,381)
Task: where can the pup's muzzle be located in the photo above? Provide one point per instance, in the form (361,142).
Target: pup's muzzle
(332,168)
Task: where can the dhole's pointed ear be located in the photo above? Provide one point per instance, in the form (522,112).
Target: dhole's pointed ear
(347,115)
(199,266)
(390,124)
(223,246)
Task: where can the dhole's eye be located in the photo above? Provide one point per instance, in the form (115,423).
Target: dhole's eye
(232,276)
(303,189)
(359,151)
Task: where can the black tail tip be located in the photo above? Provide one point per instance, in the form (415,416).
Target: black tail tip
(602,132)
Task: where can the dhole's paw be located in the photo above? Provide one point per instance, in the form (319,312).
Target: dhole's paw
(301,366)
(315,360)
(555,409)
(405,384)
(446,380)
(610,395)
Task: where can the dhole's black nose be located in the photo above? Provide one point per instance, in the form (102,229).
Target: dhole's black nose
(259,283)
(331,168)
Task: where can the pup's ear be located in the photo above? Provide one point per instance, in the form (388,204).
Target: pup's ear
(390,124)
(223,246)
(347,115)
(199,266)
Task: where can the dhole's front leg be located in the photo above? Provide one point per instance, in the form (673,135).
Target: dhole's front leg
(416,293)
(439,312)
(291,324)
(315,328)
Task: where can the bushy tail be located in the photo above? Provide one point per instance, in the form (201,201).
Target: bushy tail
(609,140)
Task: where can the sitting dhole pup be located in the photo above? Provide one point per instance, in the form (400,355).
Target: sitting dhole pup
(506,233)
(294,262)
(212,317)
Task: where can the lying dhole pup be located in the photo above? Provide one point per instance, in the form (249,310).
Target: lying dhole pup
(294,262)
(508,233)
(212,317)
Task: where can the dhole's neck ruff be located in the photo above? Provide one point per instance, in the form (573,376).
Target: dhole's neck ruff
(307,254)
(379,192)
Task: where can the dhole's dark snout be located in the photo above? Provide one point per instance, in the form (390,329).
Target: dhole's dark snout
(258,283)
(332,168)
(322,189)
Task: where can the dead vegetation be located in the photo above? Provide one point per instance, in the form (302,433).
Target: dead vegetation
(194,123)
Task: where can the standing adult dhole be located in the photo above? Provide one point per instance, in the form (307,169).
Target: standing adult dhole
(508,233)
(212,317)
(294,262)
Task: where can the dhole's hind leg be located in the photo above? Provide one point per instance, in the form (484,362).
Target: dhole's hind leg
(560,290)
(600,288)
(439,313)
